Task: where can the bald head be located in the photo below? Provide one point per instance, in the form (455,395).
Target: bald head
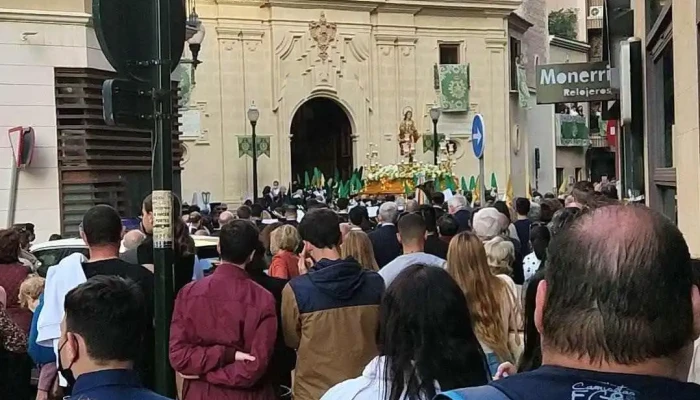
(133,239)
(412,206)
(612,278)
(226,217)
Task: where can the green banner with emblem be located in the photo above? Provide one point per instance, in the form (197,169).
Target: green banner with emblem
(454,87)
(571,131)
(428,142)
(245,146)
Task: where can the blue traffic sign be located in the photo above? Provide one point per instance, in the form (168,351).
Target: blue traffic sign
(478,132)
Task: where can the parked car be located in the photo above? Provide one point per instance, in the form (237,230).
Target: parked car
(52,252)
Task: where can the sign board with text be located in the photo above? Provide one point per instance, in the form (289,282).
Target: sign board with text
(574,82)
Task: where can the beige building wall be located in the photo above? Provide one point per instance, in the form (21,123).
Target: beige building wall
(33,43)
(380,63)
(686,133)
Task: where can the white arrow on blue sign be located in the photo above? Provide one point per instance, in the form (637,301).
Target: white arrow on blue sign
(478,132)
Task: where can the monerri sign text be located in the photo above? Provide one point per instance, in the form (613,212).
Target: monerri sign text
(574,82)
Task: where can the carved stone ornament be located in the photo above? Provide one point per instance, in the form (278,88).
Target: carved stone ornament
(323,34)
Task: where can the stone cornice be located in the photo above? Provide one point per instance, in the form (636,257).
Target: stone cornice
(518,24)
(236,33)
(569,44)
(493,7)
(45,17)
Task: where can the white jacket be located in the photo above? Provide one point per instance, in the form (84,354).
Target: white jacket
(60,279)
(372,385)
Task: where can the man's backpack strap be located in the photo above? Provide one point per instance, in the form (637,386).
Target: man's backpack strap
(486,392)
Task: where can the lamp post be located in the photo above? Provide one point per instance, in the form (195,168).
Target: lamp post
(253,116)
(195,33)
(435,116)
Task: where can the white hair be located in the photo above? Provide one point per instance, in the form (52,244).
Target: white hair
(388,212)
(412,206)
(457,201)
(133,239)
(226,216)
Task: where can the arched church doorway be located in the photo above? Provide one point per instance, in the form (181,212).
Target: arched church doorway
(321,138)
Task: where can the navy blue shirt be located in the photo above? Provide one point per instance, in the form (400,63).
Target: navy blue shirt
(522,226)
(113,384)
(555,383)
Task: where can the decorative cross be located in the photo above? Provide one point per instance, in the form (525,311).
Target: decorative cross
(323,34)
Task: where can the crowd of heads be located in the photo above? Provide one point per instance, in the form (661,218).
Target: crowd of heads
(609,275)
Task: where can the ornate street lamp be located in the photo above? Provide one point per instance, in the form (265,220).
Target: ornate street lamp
(435,116)
(253,116)
(194,35)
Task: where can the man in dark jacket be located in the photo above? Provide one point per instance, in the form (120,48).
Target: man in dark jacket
(384,240)
(459,208)
(279,372)
(433,244)
(335,305)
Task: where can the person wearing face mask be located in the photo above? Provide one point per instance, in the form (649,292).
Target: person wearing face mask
(104,319)
(101,229)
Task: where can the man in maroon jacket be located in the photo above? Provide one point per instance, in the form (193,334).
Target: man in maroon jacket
(224,326)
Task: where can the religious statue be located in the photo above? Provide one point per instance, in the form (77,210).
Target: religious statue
(408,135)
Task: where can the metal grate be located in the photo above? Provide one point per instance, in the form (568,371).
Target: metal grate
(98,164)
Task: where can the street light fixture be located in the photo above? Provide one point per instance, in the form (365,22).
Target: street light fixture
(435,116)
(253,116)
(194,35)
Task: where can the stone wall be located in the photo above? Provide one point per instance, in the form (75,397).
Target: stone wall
(27,98)
(380,63)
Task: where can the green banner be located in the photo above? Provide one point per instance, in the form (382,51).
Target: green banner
(428,142)
(571,131)
(245,146)
(523,89)
(454,87)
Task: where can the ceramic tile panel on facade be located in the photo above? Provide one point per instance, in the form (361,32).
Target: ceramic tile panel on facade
(379,64)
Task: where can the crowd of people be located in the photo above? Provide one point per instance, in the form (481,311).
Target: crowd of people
(580,297)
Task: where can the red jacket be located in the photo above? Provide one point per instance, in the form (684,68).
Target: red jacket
(215,317)
(284,265)
(11,278)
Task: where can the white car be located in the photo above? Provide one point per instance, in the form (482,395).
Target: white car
(52,252)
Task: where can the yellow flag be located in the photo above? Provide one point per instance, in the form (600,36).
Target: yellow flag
(476,191)
(509,192)
(529,190)
(564,186)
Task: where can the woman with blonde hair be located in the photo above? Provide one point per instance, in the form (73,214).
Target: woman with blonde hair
(283,243)
(500,254)
(491,299)
(357,245)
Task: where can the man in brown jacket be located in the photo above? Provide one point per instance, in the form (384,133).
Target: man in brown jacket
(330,314)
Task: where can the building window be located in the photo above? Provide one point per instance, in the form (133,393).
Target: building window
(578,174)
(515,52)
(669,203)
(668,105)
(594,118)
(449,54)
(560,177)
(654,9)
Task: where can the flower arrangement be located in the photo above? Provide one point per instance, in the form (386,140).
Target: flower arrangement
(405,170)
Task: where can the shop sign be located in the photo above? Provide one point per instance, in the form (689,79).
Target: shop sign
(574,82)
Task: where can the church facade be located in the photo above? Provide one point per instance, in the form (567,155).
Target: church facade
(333,80)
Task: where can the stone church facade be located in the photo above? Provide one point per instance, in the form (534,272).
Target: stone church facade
(374,59)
